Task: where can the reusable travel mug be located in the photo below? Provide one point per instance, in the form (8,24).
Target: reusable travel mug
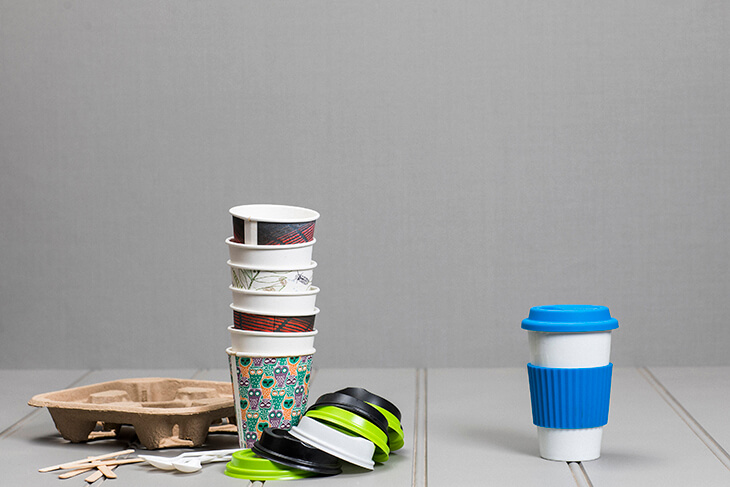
(570,378)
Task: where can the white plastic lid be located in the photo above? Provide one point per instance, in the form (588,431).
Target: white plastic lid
(352,449)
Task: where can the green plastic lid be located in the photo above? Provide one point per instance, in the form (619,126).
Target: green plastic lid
(395,430)
(355,424)
(245,464)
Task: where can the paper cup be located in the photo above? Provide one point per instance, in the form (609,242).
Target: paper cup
(264,302)
(268,392)
(271,257)
(570,377)
(244,319)
(273,224)
(266,344)
(288,281)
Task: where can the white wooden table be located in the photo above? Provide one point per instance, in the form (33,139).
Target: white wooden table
(668,427)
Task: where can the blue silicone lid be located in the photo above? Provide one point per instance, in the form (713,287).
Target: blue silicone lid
(569,318)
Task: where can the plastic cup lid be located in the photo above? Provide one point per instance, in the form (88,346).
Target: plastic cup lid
(245,464)
(353,424)
(352,449)
(395,430)
(374,399)
(387,408)
(279,446)
(570,318)
(354,405)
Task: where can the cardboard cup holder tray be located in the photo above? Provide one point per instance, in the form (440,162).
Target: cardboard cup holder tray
(164,412)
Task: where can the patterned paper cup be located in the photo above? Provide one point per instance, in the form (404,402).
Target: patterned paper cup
(269,303)
(271,257)
(273,224)
(268,391)
(288,281)
(264,343)
(244,319)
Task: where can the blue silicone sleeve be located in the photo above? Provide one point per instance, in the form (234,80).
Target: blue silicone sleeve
(570,398)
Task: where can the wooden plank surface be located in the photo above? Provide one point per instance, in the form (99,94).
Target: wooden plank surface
(19,386)
(480,431)
(647,443)
(704,394)
(469,426)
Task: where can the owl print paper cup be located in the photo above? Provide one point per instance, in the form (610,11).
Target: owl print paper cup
(286,281)
(273,224)
(269,392)
(271,257)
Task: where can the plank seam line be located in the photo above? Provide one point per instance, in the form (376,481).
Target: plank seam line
(415,429)
(579,474)
(688,419)
(15,426)
(419,417)
(425,427)
(416,412)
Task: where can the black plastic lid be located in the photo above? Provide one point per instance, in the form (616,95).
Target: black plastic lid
(353,405)
(279,446)
(367,396)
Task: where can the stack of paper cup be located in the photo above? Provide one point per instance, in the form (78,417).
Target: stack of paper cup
(272,337)
(570,378)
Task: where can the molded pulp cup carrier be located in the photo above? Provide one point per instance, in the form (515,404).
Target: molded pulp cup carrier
(570,378)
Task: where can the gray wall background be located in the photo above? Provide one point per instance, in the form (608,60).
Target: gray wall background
(470,159)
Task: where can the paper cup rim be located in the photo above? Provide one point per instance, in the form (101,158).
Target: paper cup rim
(231,243)
(231,352)
(263,213)
(309,267)
(314,312)
(273,334)
(253,292)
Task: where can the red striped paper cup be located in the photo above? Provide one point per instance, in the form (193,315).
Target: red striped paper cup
(246,320)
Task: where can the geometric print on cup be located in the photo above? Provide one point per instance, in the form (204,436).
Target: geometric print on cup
(273,395)
(286,324)
(268,233)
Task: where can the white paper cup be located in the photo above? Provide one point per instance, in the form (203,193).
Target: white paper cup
(271,257)
(352,449)
(271,344)
(290,281)
(571,350)
(281,303)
